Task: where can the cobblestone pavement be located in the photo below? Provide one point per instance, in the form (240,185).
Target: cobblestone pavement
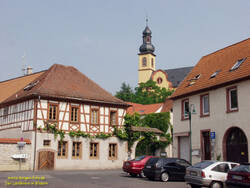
(81,179)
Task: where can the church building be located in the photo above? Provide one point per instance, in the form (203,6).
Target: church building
(169,79)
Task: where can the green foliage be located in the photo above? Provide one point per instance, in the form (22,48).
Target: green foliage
(126,93)
(148,142)
(157,120)
(146,93)
(103,135)
(52,129)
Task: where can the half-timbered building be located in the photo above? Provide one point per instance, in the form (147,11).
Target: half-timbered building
(64,97)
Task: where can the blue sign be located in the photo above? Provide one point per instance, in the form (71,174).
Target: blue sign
(212,135)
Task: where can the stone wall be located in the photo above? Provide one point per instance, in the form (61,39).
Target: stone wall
(7,163)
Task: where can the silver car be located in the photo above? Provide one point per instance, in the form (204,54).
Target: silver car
(211,174)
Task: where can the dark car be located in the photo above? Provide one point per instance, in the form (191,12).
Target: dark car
(135,166)
(239,176)
(165,169)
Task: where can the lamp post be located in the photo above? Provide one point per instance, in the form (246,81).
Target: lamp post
(191,110)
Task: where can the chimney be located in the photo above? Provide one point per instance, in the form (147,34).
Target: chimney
(29,70)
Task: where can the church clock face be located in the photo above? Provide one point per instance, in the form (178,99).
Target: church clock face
(159,80)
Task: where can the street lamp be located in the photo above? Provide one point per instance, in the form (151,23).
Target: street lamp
(191,110)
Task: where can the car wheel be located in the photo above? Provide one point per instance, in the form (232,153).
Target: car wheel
(216,185)
(164,177)
(142,175)
(132,174)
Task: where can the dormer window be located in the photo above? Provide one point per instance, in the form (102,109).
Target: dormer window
(144,61)
(215,74)
(237,64)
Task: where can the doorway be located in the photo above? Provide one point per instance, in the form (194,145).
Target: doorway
(236,145)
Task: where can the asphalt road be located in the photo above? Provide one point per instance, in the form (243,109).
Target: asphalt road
(80,178)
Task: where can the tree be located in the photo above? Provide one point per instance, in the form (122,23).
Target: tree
(126,93)
(145,93)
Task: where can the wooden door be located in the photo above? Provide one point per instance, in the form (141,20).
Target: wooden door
(46,160)
(206,145)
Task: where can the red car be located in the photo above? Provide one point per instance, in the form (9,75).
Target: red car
(239,176)
(135,166)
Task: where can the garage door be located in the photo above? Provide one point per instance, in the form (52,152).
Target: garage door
(184,148)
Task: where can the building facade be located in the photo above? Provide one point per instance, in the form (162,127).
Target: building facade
(217,89)
(66,99)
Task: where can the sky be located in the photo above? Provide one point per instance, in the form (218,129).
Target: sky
(101,38)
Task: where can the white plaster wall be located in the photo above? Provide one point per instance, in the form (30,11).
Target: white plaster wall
(20,114)
(219,120)
(85,163)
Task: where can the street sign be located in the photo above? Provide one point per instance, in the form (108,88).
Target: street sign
(212,135)
(20,156)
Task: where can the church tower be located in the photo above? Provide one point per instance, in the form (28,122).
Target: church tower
(146,57)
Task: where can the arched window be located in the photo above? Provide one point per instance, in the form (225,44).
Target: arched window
(159,80)
(152,62)
(144,61)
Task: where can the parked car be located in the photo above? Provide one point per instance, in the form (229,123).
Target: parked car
(135,166)
(239,176)
(211,174)
(166,169)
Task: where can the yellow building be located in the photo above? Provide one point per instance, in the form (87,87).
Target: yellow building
(169,78)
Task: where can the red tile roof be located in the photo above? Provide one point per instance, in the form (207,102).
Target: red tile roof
(167,106)
(9,87)
(67,83)
(222,60)
(143,109)
(13,140)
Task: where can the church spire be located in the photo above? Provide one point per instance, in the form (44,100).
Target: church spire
(147,46)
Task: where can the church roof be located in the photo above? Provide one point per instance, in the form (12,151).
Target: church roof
(65,83)
(218,69)
(175,76)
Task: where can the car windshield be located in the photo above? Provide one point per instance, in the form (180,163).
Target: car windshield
(203,164)
(241,168)
(139,158)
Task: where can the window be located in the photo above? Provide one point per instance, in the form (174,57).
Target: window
(94,116)
(74,114)
(5,112)
(215,74)
(53,112)
(204,105)
(112,151)
(185,109)
(94,150)
(46,142)
(152,62)
(221,168)
(144,61)
(62,149)
(237,64)
(77,150)
(113,118)
(148,38)
(232,99)
(159,80)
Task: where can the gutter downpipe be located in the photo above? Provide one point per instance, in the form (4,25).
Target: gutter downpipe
(35,124)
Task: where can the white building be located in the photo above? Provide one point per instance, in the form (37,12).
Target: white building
(219,89)
(65,97)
